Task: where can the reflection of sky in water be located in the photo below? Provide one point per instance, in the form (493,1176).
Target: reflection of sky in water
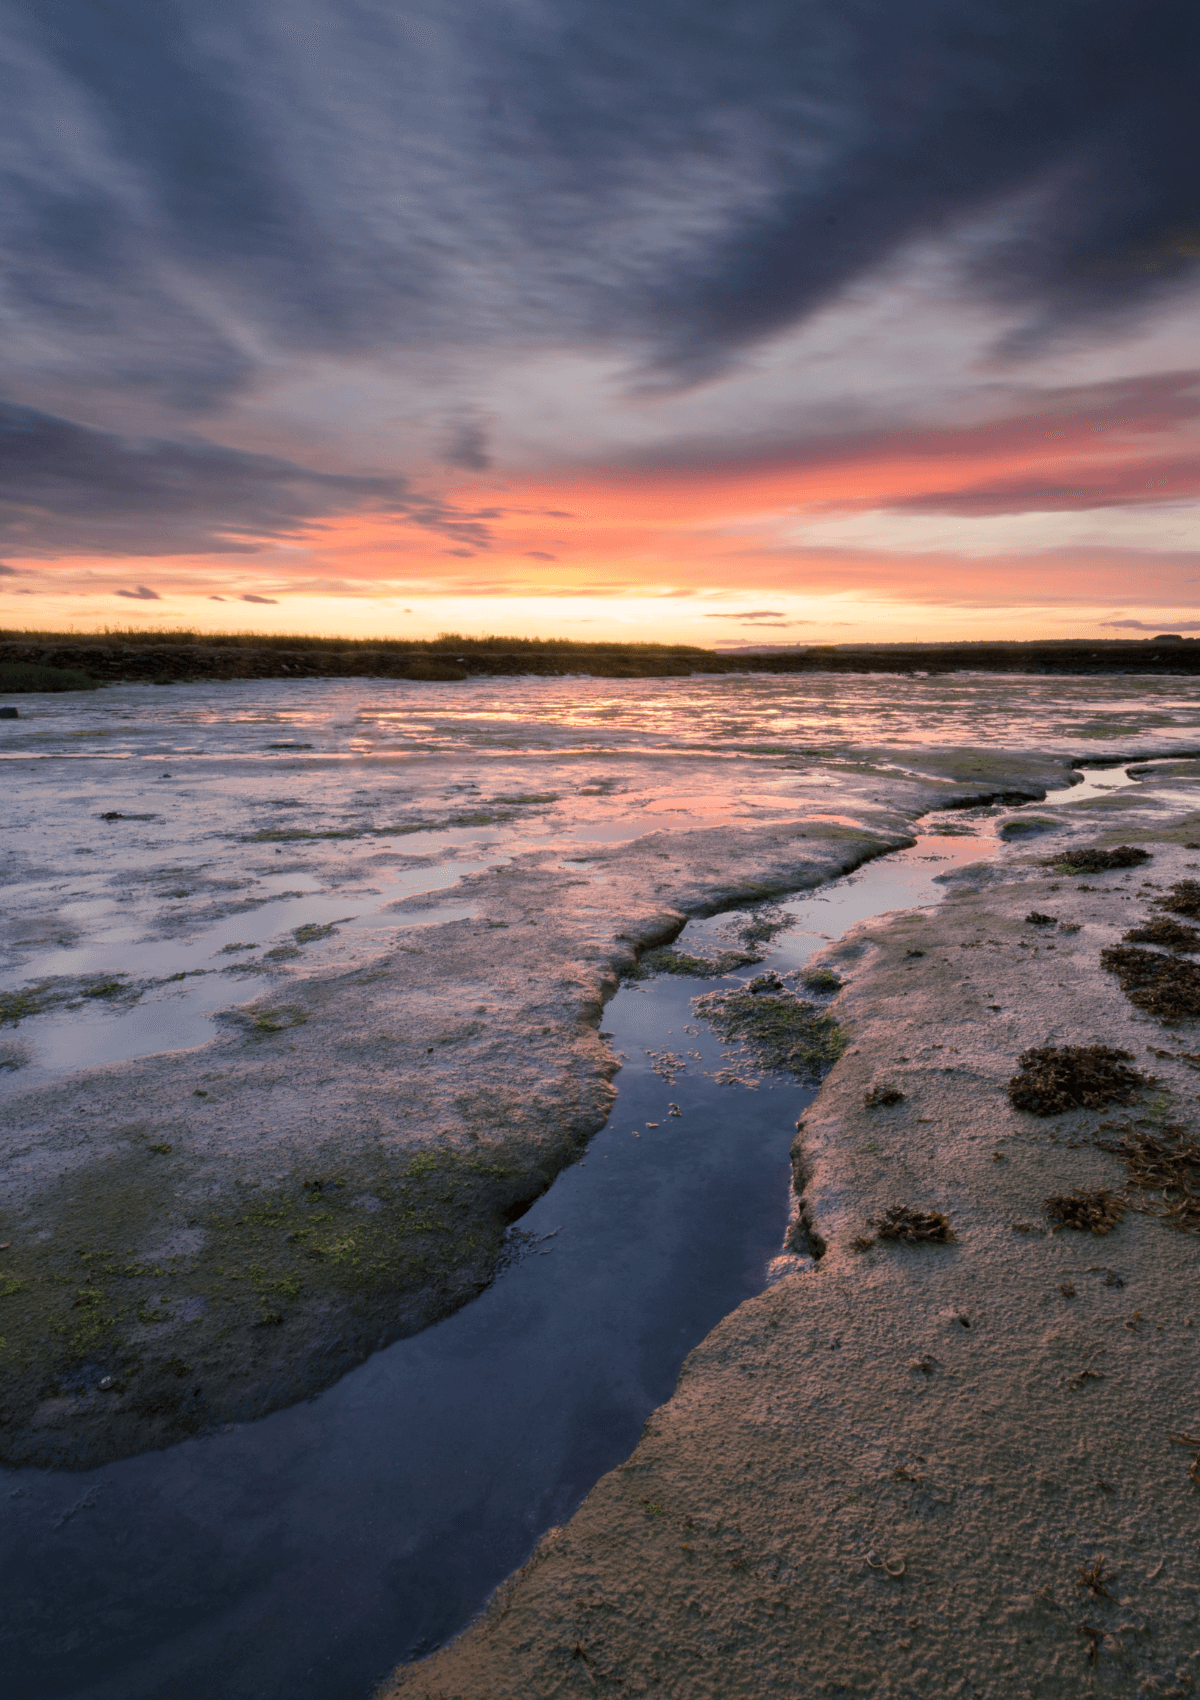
(415,786)
(745,715)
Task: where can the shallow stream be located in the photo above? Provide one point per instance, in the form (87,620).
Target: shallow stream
(306,1554)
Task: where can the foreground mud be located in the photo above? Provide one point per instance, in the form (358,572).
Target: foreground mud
(202,1236)
(964,1468)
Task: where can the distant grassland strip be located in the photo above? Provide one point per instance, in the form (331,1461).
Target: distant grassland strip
(190,655)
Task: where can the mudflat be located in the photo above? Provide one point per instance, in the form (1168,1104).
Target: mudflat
(322,1150)
(958,1453)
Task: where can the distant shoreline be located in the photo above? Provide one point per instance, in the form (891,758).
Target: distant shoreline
(193,658)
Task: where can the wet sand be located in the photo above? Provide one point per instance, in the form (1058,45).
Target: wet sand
(922,1469)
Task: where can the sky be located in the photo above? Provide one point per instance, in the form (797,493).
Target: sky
(781,322)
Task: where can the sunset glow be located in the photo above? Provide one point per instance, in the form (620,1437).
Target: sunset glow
(977,417)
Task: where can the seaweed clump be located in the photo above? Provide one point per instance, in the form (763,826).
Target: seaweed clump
(1172,934)
(1057,1078)
(1164,1166)
(782,1030)
(879,1095)
(1092,860)
(1096,1212)
(1161,985)
(1183,899)
(913,1227)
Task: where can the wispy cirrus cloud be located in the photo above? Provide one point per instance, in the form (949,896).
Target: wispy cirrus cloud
(623,173)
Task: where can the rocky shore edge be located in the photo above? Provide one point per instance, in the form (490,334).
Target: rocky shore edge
(958,1453)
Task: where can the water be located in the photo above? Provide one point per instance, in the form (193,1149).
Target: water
(305,1554)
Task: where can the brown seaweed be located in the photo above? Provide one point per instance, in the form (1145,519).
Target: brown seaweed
(913,1227)
(1095,1212)
(1161,985)
(1057,1078)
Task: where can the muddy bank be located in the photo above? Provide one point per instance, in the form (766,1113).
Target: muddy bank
(956,1466)
(201,1236)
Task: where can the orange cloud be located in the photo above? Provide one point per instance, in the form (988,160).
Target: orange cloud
(746,523)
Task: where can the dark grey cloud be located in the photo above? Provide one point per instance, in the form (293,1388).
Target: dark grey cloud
(143,593)
(1142,626)
(66,487)
(270,601)
(468,448)
(186,185)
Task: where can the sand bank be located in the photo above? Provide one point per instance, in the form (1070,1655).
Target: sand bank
(922,1469)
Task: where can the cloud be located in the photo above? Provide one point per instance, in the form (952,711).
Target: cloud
(539,555)
(66,487)
(468,448)
(143,593)
(1157,629)
(630,174)
(273,601)
(753,614)
(8,572)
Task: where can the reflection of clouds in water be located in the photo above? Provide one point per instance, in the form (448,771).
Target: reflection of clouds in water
(213,838)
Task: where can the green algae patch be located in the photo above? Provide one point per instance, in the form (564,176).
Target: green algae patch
(311,932)
(665,959)
(481,817)
(266,1023)
(43,995)
(290,834)
(398,1233)
(781,1030)
(16,1007)
(120,1273)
